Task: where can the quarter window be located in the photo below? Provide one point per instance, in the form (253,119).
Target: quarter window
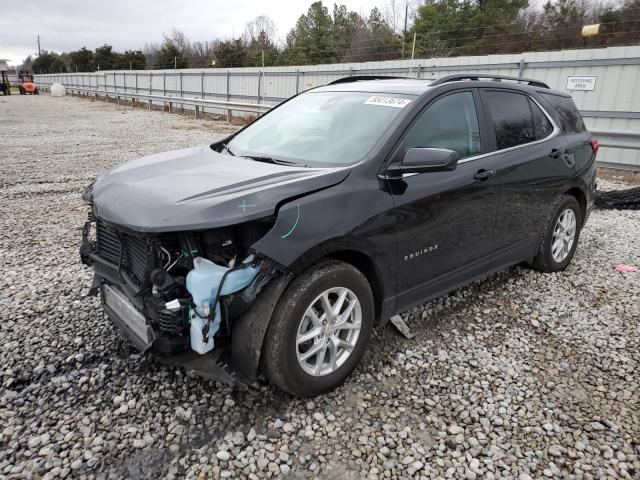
(570,119)
(451,122)
(540,121)
(512,118)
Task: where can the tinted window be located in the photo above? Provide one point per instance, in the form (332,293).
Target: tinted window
(540,121)
(570,119)
(511,117)
(451,122)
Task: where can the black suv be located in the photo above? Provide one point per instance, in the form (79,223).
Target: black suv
(277,250)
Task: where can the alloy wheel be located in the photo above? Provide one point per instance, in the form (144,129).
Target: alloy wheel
(564,234)
(328,331)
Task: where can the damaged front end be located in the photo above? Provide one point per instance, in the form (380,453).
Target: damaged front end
(184,295)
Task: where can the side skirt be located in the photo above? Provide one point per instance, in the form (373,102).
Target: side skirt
(478,270)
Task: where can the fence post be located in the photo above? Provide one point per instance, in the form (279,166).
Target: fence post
(297,80)
(521,68)
(136,81)
(150,85)
(182,104)
(228,96)
(259,84)
(201,84)
(418,71)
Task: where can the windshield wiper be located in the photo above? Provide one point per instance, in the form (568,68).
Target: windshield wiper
(224,146)
(266,159)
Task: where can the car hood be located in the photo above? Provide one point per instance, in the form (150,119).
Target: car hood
(197,188)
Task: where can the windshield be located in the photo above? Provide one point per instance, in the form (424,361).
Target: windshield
(321,129)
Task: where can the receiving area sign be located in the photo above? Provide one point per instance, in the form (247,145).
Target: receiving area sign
(581,83)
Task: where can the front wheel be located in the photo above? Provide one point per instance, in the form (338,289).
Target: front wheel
(560,237)
(319,330)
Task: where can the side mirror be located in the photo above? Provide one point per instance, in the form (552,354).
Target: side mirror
(420,160)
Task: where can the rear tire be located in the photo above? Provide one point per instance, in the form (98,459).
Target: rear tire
(22,91)
(560,236)
(301,326)
(36,92)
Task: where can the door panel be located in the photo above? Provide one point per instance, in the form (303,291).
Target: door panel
(528,181)
(531,166)
(444,220)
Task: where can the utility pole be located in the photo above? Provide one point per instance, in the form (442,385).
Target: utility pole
(413,51)
(404,32)
(262,58)
(38,45)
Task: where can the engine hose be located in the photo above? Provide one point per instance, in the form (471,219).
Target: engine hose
(212,312)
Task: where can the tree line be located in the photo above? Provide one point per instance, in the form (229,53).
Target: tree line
(434,28)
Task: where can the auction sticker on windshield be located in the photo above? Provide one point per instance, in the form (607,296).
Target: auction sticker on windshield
(388,101)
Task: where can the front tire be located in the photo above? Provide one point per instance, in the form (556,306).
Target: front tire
(319,330)
(560,237)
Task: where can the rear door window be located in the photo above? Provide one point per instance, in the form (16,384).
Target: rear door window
(511,117)
(570,119)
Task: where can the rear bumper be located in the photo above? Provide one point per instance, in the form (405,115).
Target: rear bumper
(587,214)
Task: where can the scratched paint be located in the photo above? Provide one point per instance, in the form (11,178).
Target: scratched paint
(244,205)
(294,225)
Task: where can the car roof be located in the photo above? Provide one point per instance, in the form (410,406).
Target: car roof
(406,86)
(414,86)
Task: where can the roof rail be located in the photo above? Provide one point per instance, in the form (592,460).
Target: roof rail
(357,78)
(494,78)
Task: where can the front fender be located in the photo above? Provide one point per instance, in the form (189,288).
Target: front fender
(333,219)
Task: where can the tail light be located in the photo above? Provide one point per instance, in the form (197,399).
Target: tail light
(595,145)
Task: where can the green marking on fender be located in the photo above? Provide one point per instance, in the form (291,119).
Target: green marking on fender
(244,206)
(294,225)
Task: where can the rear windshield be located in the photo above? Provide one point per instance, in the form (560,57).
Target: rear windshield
(321,128)
(570,119)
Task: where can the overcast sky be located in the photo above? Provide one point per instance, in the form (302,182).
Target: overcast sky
(66,25)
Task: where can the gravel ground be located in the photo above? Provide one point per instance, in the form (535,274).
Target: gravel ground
(522,375)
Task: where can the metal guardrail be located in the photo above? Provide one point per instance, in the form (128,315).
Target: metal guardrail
(628,140)
(618,139)
(197,103)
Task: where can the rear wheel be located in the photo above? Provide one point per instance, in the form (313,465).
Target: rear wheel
(22,90)
(320,329)
(36,92)
(560,237)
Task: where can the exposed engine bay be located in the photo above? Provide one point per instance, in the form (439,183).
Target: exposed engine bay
(192,249)
(188,286)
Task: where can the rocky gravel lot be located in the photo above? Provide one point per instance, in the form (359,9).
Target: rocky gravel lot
(523,375)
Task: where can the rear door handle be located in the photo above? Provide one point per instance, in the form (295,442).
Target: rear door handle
(555,153)
(483,174)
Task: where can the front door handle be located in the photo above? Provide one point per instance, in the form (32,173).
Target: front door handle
(555,153)
(483,174)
